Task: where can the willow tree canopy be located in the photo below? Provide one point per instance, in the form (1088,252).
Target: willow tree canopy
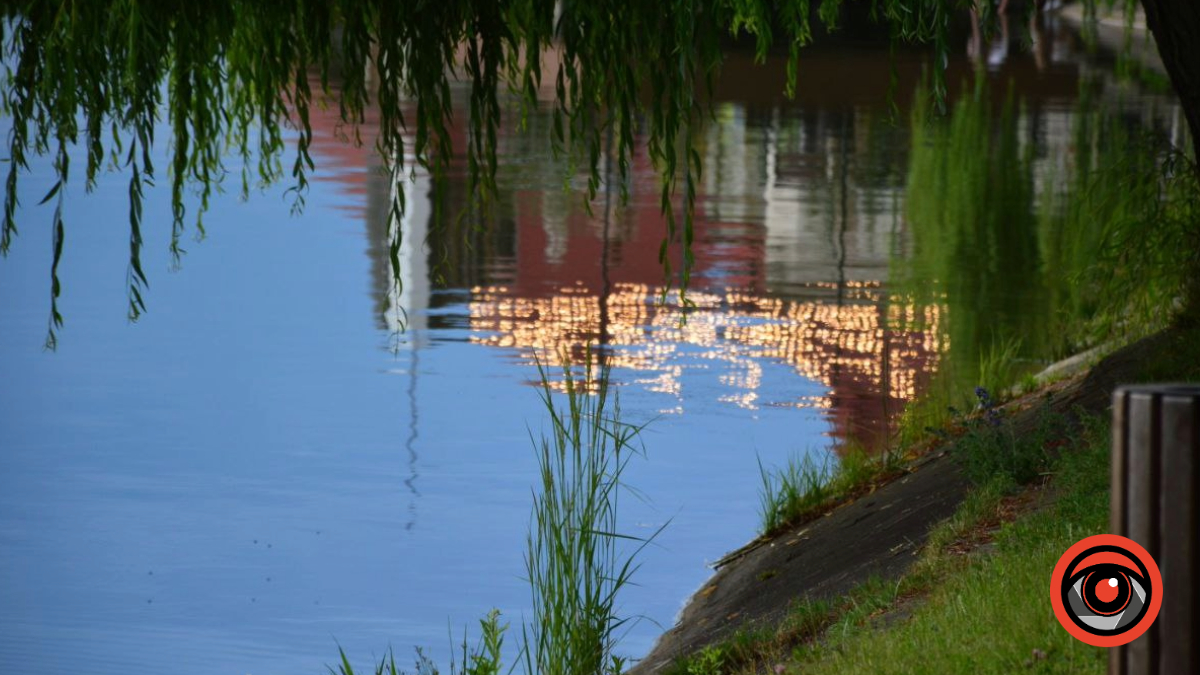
(229,75)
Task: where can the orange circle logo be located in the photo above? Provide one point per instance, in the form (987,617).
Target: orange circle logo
(1106,590)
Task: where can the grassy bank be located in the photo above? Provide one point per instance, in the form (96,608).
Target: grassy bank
(976,597)
(806,487)
(1029,262)
(985,610)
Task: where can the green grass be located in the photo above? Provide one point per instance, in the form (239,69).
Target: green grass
(805,487)
(980,504)
(998,364)
(482,659)
(753,650)
(790,490)
(577,562)
(977,613)
(990,615)
(929,414)
(990,446)
(986,444)
(982,613)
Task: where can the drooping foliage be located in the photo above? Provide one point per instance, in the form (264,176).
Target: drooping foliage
(1037,260)
(229,76)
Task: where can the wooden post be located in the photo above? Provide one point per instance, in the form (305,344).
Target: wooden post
(1155,457)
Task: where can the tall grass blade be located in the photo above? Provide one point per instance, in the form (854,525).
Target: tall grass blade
(577,559)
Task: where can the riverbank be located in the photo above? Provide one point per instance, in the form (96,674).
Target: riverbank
(873,583)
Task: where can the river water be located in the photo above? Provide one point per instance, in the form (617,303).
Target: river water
(286,453)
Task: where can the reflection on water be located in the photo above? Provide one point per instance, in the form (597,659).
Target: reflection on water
(795,230)
(1014,236)
(290,446)
(801,221)
(866,369)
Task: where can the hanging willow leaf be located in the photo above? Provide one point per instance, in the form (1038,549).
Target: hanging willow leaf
(230,77)
(56,319)
(50,195)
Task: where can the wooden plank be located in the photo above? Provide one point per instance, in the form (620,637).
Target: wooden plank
(1119,485)
(1143,504)
(1120,461)
(1176,623)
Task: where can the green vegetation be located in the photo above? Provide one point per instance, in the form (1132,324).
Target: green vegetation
(1101,254)
(229,77)
(804,488)
(956,609)
(982,614)
(577,561)
(967,603)
(988,447)
(482,659)
(1031,262)
(1034,262)
(751,650)
(1026,276)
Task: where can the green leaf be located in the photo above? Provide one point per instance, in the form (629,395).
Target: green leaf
(53,191)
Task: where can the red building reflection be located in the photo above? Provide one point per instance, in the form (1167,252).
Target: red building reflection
(569,280)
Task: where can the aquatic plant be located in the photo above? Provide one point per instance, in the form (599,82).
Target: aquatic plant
(805,486)
(577,559)
(482,659)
